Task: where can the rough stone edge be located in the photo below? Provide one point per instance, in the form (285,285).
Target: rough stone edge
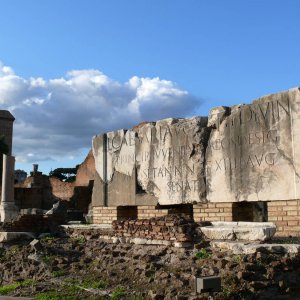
(243,248)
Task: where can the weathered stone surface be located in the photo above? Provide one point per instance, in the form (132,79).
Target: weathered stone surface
(170,159)
(155,162)
(252,153)
(242,248)
(217,115)
(250,231)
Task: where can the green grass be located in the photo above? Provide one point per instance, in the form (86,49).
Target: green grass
(118,293)
(6,289)
(202,254)
(94,284)
(53,295)
(71,290)
(48,259)
(88,283)
(58,273)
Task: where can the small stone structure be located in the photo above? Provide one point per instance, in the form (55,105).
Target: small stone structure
(215,164)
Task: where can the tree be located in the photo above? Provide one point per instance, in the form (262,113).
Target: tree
(64,174)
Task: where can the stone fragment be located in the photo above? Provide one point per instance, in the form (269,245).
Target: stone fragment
(250,231)
(36,245)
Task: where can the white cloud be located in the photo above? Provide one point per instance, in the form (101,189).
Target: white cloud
(5,70)
(57,118)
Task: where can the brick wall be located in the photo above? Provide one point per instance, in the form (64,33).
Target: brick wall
(167,228)
(86,171)
(61,190)
(286,216)
(104,215)
(147,212)
(213,212)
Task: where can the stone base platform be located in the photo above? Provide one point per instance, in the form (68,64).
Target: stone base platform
(6,236)
(250,231)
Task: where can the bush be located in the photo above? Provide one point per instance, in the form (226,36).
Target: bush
(203,254)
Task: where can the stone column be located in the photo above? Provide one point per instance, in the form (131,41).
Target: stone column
(8,209)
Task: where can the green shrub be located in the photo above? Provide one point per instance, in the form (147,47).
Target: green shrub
(203,254)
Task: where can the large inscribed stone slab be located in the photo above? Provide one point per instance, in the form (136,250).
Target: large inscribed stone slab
(163,160)
(253,151)
(240,153)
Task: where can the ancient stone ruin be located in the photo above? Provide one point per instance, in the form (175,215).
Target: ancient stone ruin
(238,164)
(214,185)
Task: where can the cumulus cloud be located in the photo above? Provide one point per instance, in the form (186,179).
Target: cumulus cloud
(57,118)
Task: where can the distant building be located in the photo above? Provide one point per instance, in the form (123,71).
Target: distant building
(20,176)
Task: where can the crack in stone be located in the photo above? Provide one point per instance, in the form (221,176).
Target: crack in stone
(290,160)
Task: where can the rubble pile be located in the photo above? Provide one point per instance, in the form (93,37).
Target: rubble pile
(55,267)
(180,228)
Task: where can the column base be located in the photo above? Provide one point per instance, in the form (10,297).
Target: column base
(8,212)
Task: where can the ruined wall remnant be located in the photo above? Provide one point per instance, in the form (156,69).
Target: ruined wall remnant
(240,153)
(160,162)
(86,171)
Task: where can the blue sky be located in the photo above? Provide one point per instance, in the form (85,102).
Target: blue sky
(215,52)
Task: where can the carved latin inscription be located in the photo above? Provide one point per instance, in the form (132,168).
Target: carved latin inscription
(250,153)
